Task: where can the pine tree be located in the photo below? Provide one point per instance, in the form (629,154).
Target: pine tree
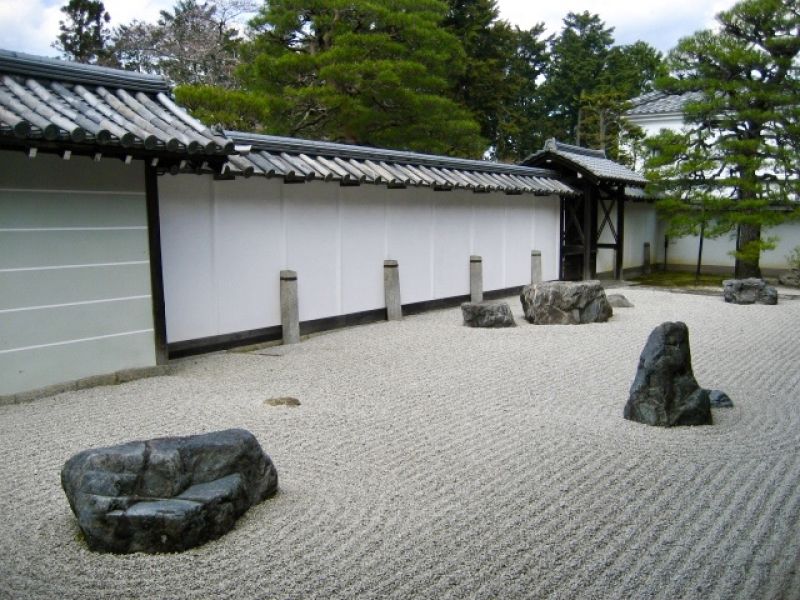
(743,129)
(84,33)
(361,71)
(578,58)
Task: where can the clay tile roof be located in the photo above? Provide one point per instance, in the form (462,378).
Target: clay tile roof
(587,161)
(45,99)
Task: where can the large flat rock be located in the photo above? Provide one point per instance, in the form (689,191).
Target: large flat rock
(166,494)
(565,303)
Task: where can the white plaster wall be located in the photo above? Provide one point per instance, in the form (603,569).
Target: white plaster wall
(74,270)
(641,225)
(716,251)
(224,244)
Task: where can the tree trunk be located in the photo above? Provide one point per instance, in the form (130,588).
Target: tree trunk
(743,268)
(700,253)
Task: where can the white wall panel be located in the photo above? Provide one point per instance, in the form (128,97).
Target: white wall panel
(489,238)
(546,234)
(248,253)
(74,270)
(187,251)
(641,225)
(451,248)
(363,223)
(519,243)
(313,246)
(410,241)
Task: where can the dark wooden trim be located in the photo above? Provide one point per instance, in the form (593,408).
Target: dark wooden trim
(618,256)
(156,268)
(223,342)
(588,230)
(561,239)
(271,334)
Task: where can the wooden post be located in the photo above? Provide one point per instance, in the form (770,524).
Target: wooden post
(536,267)
(588,231)
(618,256)
(156,268)
(646,259)
(391,290)
(475,279)
(290,315)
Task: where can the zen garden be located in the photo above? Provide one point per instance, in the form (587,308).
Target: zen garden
(378,299)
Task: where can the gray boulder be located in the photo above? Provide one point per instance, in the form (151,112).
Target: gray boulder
(487,314)
(790,278)
(618,301)
(664,391)
(166,494)
(749,291)
(565,303)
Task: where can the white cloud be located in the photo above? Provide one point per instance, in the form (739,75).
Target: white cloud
(658,22)
(32,25)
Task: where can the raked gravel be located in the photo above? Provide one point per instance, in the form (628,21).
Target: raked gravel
(430,460)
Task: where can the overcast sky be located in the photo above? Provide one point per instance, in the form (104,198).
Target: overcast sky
(32,25)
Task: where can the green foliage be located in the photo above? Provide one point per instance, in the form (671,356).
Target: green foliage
(231,109)
(578,57)
(499,84)
(588,83)
(363,72)
(738,159)
(84,33)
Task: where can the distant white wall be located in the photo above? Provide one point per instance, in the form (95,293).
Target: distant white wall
(225,242)
(641,225)
(716,252)
(74,270)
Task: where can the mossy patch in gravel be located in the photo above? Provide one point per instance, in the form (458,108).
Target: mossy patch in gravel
(680,279)
(282,401)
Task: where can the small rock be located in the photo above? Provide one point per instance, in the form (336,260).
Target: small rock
(487,314)
(719,399)
(790,278)
(565,303)
(618,301)
(749,291)
(664,391)
(282,401)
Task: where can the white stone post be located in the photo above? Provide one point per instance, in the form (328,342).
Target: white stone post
(290,315)
(391,290)
(536,267)
(475,279)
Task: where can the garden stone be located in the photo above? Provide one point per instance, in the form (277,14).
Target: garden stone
(618,301)
(749,291)
(565,303)
(719,399)
(790,278)
(487,314)
(664,391)
(166,494)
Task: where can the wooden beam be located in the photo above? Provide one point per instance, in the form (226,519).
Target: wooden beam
(561,240)
(618,255)
(156,268)
(588,230)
